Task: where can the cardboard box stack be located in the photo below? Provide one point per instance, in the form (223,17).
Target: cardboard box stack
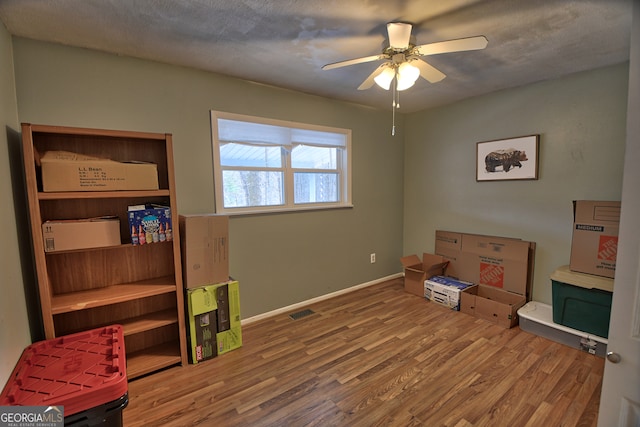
(213,299)
(582,291)
(494,275)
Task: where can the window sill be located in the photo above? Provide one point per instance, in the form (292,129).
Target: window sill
(239,212)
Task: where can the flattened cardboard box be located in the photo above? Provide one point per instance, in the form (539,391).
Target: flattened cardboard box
(204,244)
(594,244)
(449,247)
(416,271)
(502,262)
(66,171)
(497,262)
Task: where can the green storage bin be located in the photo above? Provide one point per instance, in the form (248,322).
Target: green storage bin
(582,301)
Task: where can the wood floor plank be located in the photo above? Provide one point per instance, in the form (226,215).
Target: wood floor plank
(377,356)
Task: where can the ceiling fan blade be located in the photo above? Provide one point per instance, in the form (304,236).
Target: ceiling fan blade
(428,72)
(399,35)
(355,61)
(457,45)
(369,81)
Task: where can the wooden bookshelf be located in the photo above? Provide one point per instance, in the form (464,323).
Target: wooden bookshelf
(139,287)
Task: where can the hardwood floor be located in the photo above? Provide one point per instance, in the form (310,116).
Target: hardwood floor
(377,357)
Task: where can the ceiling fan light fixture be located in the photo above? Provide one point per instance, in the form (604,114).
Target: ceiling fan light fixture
(385,78)
(407,76)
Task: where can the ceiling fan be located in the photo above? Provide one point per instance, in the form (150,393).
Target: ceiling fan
(402,58)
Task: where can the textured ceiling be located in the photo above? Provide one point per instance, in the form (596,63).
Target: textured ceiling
(285,43)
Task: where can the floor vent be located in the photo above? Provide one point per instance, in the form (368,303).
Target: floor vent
(301,314)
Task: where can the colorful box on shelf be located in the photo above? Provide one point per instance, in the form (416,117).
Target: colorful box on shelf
(150,223)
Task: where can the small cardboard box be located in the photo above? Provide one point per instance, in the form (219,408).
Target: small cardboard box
(150,224)
(229,335)
(201,307)
(416,271)
(64,235)
(492,304)
(445,290)
(594,245)
(204,241)
(66,171)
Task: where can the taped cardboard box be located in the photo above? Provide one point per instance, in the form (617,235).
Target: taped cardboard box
(67,171)
(492,304)
(64,235)
(417,270)
(594,244)
(204,242)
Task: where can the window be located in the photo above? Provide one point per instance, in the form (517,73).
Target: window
(263,165)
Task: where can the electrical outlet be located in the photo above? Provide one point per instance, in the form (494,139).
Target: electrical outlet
(373,258)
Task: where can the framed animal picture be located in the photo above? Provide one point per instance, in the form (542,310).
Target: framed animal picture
(508,159)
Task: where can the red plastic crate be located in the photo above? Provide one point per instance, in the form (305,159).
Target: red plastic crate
(79,372)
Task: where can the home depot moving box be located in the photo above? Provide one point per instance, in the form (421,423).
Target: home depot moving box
(417,270)
(594,245)
(204,242)
(66,171)
(501,267)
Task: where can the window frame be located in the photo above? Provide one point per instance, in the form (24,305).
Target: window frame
(343,167)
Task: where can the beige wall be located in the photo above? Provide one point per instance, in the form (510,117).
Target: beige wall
(14,325)
(581,122)
(279,259)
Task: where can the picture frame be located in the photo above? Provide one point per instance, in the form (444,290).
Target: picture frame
(508,159)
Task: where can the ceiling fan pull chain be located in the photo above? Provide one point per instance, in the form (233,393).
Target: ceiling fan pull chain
(394,105)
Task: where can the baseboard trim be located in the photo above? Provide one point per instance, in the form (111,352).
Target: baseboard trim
(292,307)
